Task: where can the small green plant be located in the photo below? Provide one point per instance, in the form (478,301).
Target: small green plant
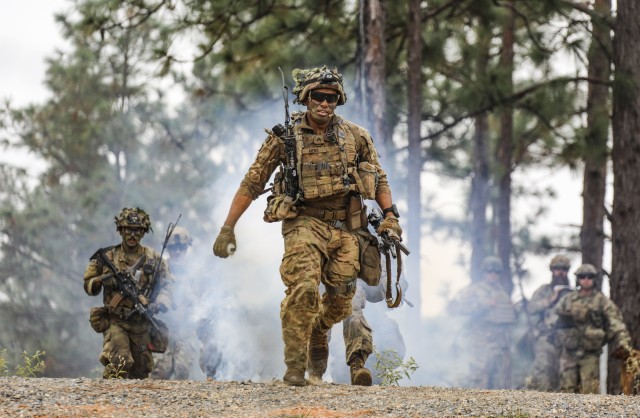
(390,368)
(32,365)
(4,370)
(117,371)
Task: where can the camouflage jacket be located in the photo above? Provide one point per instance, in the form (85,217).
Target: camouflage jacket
(540,307)
(157,288)
(587,323)
(487,303)
(358,147)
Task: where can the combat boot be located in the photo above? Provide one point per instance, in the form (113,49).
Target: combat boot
(294,377)
(360,375)
(318,357)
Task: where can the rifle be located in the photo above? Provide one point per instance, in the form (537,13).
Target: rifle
(126,285)
(170,229)
(289,170)
(389,246)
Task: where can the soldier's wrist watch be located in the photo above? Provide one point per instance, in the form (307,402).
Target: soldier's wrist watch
(393,209)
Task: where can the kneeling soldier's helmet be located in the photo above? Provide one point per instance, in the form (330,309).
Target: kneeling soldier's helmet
(492,264)
(180,238)
(133,218)
(317,78)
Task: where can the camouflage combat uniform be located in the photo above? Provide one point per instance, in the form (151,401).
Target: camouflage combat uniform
(585,324)
(318,246)
(487,334)
(127,344)
(546,366)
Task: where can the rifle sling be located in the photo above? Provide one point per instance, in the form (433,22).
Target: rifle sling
(389,294)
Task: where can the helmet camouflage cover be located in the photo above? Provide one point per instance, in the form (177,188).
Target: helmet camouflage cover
(133,218)
(317,78)
(586,269)
(560,262)
(493,264)
(180,237)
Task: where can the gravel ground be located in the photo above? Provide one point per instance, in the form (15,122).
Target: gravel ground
(44,397)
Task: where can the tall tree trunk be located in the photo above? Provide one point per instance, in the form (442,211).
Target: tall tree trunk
(414,89)
(625,228)
(479,196)
(596,153)
(504,158)
(372,77)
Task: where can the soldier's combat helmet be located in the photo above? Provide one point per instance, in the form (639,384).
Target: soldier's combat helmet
(492,264)
(560,262)
(133,218)
(585,270)
(317,78)
(180,238)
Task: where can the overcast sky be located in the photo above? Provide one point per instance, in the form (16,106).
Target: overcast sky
(28,34)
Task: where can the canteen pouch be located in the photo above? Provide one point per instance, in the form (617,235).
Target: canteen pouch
(370,269)
(99,319)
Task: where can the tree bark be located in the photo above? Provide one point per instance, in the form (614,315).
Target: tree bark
(625,228)
(414,171)
(596,152)
(480,187)
(504,158)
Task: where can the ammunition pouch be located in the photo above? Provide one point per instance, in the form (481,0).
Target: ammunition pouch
(355,211)
(99,319)
(159,337)
(569,339)
(370,268)
(593,338)
(279,208)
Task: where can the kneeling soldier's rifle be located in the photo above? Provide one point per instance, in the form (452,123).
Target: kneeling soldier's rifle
(126,285)
(389,246)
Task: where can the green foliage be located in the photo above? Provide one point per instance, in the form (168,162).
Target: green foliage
(116,368)
(31,365)
(390,368)
(4,370)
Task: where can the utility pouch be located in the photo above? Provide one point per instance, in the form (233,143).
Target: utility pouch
(279,207)
(594,338)
(369,179)
(370,269)
(159,337)
(354,213)
(99,319)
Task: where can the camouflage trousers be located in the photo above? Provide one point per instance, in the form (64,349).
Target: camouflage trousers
(314,253)
(580,372)
(125,352)
(175,363)
(490,360)
(358,338)
(546,365)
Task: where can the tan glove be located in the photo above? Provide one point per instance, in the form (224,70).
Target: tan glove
(225,244)
(391,226)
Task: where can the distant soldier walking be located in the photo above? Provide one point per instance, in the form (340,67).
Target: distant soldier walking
(545,375)
(127,341)
(488,330)
(587,320)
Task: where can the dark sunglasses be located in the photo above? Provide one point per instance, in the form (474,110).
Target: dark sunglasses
(559,268)
(318,97)
(586,276)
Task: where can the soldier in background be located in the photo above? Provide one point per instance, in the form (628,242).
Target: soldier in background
(488,330)
(127,344)
(587,320)
(177,361)
(546,365)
